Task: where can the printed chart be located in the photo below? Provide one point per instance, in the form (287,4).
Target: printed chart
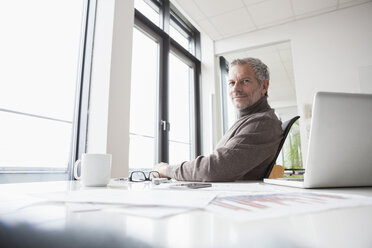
(258,206)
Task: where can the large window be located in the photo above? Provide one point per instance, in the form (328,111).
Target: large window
(42,51)
(181,79)
(165,116)
(143,100)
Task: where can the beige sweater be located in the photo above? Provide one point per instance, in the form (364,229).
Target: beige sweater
(244,152)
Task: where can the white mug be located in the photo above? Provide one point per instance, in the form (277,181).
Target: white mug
(95,169)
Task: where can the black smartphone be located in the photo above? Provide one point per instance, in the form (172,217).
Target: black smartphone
(199,185)
(192,185)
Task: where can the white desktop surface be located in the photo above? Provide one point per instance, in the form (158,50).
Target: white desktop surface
(348,227)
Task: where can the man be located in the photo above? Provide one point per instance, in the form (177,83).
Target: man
(249,146)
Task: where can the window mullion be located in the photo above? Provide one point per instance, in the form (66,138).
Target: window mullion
(197,108)
(163,101)
(165,16)
(163,137)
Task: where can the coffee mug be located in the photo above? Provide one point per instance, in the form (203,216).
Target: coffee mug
(95,169)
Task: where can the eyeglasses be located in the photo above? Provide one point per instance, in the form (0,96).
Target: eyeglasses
(140,176)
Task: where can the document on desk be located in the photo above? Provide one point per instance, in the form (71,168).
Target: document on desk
(247,187)
(143,211)
(189,199)
(244,207)
(150,212)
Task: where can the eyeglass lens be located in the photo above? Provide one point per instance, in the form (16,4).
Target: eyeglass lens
(139,176)
(153,174)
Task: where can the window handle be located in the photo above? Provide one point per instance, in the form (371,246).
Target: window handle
(165,125)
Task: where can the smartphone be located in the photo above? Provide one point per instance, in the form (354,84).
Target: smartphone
(192,185)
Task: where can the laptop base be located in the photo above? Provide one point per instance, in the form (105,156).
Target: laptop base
(291,182)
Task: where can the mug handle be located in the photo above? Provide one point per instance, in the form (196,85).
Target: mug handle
(75,169)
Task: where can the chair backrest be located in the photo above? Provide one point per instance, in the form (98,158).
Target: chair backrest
(286,126)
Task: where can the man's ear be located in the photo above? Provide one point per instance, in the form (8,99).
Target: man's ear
(265,87)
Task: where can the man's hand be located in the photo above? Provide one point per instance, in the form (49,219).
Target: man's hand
(161,168)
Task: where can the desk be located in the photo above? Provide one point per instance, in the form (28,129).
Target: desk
(349,227)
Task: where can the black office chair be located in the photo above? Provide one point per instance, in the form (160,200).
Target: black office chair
(286,126)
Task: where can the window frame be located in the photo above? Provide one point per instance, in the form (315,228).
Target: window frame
(224,72)
(167,45)
(81,110)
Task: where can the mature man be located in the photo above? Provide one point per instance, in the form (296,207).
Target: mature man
(249,146)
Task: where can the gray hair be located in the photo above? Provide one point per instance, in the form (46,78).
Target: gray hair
(261,71)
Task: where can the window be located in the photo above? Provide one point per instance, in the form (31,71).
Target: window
(143,100)
(180,32)
(42,57)
(150,9)
(180,110)
(165,119)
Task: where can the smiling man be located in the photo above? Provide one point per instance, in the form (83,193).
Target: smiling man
(249,146)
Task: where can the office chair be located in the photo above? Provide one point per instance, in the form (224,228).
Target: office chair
(286,126)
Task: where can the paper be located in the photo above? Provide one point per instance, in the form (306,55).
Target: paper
(143,211)
(149,211)
(194,199)
(84,207)
(242,187)
(245,207)
(230,187)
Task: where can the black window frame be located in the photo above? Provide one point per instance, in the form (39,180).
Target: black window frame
(82,110)
(224,72)
(167,45)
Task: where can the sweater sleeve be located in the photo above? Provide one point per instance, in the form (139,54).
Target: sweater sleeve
(254,143)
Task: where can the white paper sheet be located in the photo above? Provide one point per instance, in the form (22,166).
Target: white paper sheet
(84,207)
(150,212)
(143,211)
(244,207)
(189,199)
(231,187)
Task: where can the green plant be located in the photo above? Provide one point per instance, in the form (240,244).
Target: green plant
(291,152)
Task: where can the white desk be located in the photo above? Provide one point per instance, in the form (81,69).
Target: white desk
(349,227)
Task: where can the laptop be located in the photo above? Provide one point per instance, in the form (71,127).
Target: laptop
(340,143)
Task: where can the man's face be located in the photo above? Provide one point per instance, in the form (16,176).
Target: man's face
(244,89)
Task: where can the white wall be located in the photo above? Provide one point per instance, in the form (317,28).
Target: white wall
(210,111)
(330,52)
(108,124)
